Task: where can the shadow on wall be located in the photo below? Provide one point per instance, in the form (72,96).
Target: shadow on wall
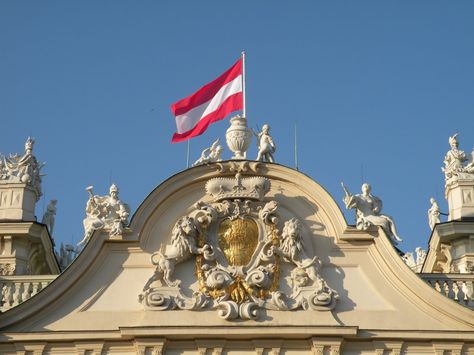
(334,276)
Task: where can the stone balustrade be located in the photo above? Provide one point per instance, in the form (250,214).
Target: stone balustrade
(17,289)
(458,287)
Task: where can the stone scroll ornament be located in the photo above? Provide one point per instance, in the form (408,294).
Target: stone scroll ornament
(238,253)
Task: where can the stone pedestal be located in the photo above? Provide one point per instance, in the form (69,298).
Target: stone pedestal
(17,202)
(460,196)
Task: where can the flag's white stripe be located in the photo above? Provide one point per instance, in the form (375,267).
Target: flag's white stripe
(188,120)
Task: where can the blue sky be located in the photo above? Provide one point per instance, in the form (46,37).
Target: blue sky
(375,88)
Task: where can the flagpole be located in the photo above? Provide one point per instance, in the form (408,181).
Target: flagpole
(243,85)
(296,152)
(187,156)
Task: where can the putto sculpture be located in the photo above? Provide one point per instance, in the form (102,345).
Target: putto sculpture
(456,163)
(24,168)
(266,146)
(433,213)
(104,212)
(368,212)
(49,216)
(211,154)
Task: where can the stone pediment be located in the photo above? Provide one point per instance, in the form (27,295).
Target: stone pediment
(284,258)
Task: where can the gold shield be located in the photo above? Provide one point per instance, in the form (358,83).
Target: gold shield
(238,240)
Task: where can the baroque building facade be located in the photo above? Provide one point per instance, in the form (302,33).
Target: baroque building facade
(236,257)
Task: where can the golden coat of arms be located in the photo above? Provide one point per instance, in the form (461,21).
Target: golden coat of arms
(238,239)
(238,251)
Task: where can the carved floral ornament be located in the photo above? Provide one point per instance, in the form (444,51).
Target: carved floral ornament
(243,262)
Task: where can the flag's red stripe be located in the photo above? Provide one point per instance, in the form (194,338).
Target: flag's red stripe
(208,91)
(232,103)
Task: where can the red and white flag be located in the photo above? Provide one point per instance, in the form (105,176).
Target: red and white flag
(211,103)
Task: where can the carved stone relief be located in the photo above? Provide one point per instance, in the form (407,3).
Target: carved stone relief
(7,269)
(238,253)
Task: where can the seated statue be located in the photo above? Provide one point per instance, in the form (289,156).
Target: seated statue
(454,159)
(24,168)
(266,146)
(368,212)
(105,212)
(210,155)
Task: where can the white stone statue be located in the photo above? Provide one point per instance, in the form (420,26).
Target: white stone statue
(50,215)
(420,256)
(266,146)
(413,263)
(67,254)
(409,259)
(24,168)
(211,154)
(456,161)
(433,213)
(368,212)
(105,212)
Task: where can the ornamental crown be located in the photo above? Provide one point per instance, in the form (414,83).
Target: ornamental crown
(250,188)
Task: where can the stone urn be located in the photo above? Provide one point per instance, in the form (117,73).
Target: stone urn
(238,137)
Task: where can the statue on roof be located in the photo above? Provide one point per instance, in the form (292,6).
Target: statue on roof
(456,162)
(50,215)
(211,154)
(433,213)
(266,146)
(105,212)
(66,255)
(368,212)
(25,168)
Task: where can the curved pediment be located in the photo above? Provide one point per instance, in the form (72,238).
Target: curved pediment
(238,244)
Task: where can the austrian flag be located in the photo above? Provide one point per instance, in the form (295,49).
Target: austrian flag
(211,103)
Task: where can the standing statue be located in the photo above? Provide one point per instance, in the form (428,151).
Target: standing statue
(211,154)
(67,254)
(265,145)
(420,256)
(104,212)
(433,213)
(368,212)
(50,215)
